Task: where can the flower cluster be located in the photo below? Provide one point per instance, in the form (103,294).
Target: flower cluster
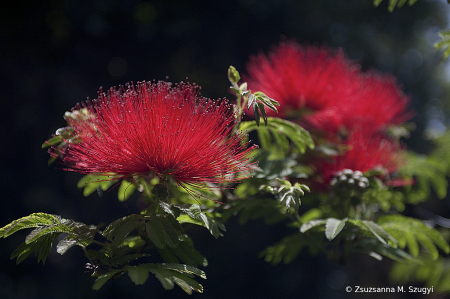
(156,129)
(329,94)
(301,77)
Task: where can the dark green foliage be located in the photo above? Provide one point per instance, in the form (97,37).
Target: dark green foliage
(434,273)
(393,3)
(286,250)
(195,215)
(121,248)
(167,274)
(266,208)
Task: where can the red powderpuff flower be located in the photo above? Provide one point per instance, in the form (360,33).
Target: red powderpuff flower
(153,128)
(303,77)
(365,152)
(380,102)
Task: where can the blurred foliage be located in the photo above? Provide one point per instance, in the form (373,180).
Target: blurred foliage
(394,3)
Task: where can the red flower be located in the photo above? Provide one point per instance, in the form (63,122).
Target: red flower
(153,128)
(380,102)
(303,77)
(365,152)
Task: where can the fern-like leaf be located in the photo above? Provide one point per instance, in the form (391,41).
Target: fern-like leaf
(187,283)
(428,171)
(410,231)
(274,136)
(373,247)
(33,220)
(371,229)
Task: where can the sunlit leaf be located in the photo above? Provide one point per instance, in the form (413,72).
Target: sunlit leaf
(138,274)
(126,189)
(187,283)
(333,227)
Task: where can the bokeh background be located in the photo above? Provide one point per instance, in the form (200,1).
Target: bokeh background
(55,53)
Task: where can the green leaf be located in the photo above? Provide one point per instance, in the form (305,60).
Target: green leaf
(65,244)
(92,183)
(273,168)
(52,141)
(195,213)
(133,242)
(410,231)
(333,227)
(290,195)
(286,250)
(393,3)
(124,230)
(380,233)
(187,254)
(41,246)
(156,233)
(39,232)
(428,171)
(164,276)
(126,189)
(444,44)
(311,215)
(128,258)
(256,113)
(187,283)
(112,229)
(266,101)
(82,233)
(172,210)
(370,245)
(277,126)
(24,251)
(138,274)
(185,269)
(430,273)
(33,220)
(170,231)
(310,224)
(102,279)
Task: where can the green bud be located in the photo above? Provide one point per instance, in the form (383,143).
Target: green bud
(233,75)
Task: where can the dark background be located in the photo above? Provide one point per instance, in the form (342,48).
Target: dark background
(56,53)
